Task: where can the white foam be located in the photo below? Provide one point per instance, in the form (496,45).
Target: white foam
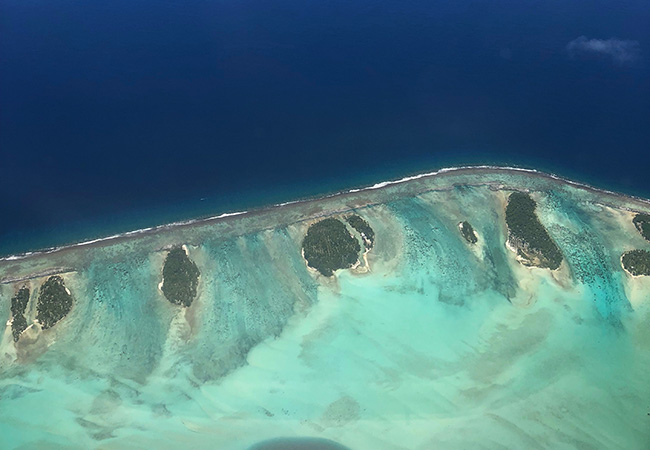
(375,186)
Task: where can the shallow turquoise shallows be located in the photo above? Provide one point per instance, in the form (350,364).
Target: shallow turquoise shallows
(432,344)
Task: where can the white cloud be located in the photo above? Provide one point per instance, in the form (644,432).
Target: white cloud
(621,51)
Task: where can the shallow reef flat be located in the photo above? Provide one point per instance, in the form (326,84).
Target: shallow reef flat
(430,341)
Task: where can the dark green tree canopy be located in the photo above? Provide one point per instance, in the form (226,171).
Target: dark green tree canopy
(329,246)
(642,223)
(362,228)
(468,233)
(637,262)
(180,277)
(54,302)
(18,306)
(525,227)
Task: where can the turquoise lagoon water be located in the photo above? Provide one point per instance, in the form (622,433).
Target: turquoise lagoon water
(439,346)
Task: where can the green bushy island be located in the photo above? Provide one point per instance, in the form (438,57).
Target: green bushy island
(18,306)
(642,223)
(637,262)
(54,302)
(329,246)
(363,228)
(468,233)
(528,234)
(180,277)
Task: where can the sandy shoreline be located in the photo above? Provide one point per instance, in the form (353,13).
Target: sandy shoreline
(300,210)
(440,337)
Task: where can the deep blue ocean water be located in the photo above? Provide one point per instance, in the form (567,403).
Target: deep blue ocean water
(125,114)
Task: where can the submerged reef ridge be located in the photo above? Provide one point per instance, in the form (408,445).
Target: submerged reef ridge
(272,348)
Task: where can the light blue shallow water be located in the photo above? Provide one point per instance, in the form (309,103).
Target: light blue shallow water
(439,346)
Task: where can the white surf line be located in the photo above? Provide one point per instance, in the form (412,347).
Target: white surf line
(375,186)
(120,235)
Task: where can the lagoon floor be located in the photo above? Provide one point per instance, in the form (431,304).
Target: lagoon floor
(439,345)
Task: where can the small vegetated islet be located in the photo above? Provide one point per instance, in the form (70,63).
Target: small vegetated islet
(329,246)
(363,228)
(637,262)
(54,302)
(528,234)
(468,233)
(18,306)
(180,277)
(642,223)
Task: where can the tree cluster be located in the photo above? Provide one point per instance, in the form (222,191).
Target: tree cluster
(180,277)
(642,223)
(525,227)
(54,302)
(329,246)
(637,262)
(18,306)
(468,233)
(363,228)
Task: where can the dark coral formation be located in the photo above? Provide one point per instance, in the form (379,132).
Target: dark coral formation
(528,236)
(180,277)
(54,302)
(467,231)
(18,306)
(329,246)
(642,223)
(363,228)
(637,262)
